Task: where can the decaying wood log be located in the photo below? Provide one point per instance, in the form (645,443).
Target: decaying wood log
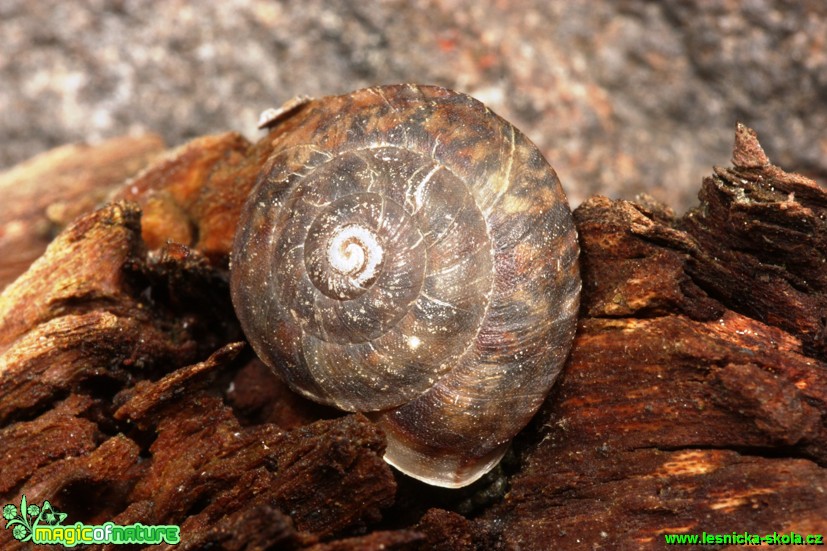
(695,398)
(685,406)
(45,193)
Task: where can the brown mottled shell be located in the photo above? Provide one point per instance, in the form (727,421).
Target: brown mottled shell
(409,253)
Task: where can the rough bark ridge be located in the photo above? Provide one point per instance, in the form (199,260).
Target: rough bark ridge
(695,398)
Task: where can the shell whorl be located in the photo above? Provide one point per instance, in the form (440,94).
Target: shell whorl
(349,264)
(407,252)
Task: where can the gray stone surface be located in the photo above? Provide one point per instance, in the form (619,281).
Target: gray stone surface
(623,97)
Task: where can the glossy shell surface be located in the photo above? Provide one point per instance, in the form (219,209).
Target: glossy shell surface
(409,254)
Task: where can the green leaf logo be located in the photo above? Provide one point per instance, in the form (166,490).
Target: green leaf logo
(9,512)
(51,516)
(29,517)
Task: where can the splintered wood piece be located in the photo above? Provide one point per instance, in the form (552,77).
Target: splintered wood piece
(44,194)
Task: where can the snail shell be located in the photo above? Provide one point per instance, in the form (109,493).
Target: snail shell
(409,253)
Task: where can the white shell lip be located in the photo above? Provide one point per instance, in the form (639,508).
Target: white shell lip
(446,471)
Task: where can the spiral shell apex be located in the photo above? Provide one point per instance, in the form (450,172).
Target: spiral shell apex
(409,254)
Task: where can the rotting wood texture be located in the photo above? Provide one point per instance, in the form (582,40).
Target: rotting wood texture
(695,397)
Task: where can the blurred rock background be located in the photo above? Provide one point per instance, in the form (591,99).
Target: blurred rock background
(622,97)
